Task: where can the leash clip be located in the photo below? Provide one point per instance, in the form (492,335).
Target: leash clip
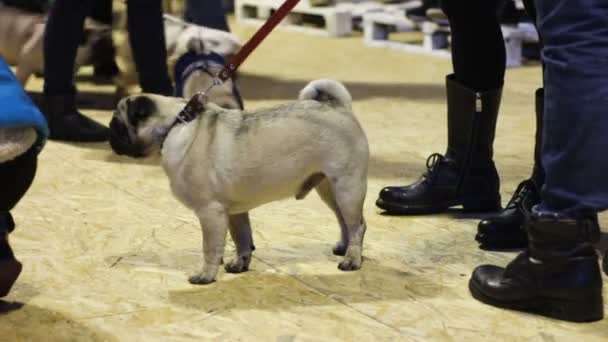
(216,82)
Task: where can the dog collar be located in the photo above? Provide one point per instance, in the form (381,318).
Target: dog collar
(190,112)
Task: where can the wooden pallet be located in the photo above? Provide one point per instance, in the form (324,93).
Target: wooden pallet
(378,26)
(329,21)
(358,8)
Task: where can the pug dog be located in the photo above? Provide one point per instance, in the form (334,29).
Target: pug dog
(179,37)
(22,36)
(222,163)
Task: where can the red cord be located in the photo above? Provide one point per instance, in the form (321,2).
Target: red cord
(257,38)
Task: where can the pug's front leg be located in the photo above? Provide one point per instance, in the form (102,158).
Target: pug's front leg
(214,224)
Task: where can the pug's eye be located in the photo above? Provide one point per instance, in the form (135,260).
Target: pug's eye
(139,109)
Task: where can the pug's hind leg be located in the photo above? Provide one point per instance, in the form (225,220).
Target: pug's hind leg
(350,194)
(214,224)
(240,231)
(327,195)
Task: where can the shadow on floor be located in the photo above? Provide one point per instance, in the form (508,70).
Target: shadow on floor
(259,87)
(25,322)
(85,100)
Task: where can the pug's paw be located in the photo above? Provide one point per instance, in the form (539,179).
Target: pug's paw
(350,264)
(238,265)
(201,279)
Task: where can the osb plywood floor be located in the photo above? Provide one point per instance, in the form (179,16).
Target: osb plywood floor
(107,249)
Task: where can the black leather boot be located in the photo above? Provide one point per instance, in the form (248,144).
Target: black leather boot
(557,276)
(466,175)
(66,123)
(10,268)
(505,230)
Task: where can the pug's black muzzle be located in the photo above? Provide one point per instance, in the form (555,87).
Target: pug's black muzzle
(121,142)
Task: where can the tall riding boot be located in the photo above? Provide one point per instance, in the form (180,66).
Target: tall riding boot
(558,276)
(505,230)
(68,124)
(466,175)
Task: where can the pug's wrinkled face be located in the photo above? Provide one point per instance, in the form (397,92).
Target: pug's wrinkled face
(140,124)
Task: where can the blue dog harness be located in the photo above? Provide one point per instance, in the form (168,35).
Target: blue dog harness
(191,62)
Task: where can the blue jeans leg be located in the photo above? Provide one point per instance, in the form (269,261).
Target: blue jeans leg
(574,151)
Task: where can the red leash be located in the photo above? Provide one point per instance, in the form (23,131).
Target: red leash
(257,38)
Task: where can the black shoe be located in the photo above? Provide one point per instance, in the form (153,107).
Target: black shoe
(466,175)
(558,276)
(10,268)
(66,123)
(506,230)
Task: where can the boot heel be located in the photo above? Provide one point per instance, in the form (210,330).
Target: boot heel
(481,205)
(587,309)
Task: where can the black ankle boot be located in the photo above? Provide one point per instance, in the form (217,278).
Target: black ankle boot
(466,175)
(558,276)
(10,268)
(505,230)
(67,124)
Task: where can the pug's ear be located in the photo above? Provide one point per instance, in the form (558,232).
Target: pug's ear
(139,109)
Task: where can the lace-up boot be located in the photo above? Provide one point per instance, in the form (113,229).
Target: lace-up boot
(557,276)
(505,230)
(466,175)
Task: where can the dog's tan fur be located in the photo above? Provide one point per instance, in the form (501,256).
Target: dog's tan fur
(227,162)
(21,41)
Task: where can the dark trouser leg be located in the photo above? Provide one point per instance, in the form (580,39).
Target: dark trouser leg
(101,10)
(209,13)
(506,230)
(466,175)
(147,39)
(64,31)
(478,49)
(16,176)
(558,275)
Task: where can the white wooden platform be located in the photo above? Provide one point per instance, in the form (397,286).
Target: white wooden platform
(329,21)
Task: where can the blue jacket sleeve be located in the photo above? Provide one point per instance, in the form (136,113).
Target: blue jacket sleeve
(16,107)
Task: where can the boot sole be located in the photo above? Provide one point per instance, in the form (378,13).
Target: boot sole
(584,309)
(468,205)
(9,272)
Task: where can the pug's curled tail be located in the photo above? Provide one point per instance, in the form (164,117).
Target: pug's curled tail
(329,91)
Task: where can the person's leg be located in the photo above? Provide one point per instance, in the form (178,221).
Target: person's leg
(466,175)
(147,39)
(559,276)
(506,230)
(16,176)
(104,64)
(64,32)
(208,13)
